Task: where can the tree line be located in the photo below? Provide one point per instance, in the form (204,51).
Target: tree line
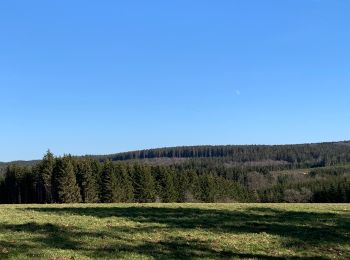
(321,185)
(69,179)
(314,173)
(289,156)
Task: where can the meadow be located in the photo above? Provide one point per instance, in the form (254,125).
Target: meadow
(175,231)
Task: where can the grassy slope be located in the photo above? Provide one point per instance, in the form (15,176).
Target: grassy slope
(269,231)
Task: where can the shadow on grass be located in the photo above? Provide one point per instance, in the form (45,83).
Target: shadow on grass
(302,230)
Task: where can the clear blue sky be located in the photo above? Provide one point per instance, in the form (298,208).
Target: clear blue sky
(98,77)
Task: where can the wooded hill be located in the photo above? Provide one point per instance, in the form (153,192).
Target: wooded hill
(302,155)
(254,173)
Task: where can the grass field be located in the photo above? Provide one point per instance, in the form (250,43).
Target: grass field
(253,231)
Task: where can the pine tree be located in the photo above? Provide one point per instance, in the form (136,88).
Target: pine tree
(97,172)
(2,190)
(144,187)
(28,186)
(108,183)
(183,187)
(124,184)
(44,183)
(13,178)
(86,181)
(167,191)
(207,188)
(66,187)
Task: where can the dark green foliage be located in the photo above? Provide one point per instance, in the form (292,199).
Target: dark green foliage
(87,181)
(143,183)
(96,171)
(66,189)
(18,185)
(183,186)
(166,189)
(3,198)
(124,182)
(333,189)
(238,178)
(13,178)
(116,184)
(109,188)
(206,188)
(44,183)
(304,155)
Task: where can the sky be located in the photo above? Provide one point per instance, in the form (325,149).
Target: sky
(100,77)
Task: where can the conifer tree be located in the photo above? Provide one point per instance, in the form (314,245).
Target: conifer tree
(2,190)
(167,191)
(97,172)
(207,189)
(183,187)
(66,187)
(144,186)
(44,183)
(86,181)
(108,183)
(28,186)
(124,184)
(13,178)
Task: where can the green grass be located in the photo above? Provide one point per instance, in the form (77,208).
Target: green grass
(177,231)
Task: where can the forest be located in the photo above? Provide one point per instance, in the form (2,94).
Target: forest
(254,173)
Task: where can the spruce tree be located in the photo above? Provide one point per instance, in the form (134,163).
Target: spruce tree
(66,187)
(97,172)
(182,186)
(144,186)
(167,191)
(44,183)
(28,186)
(207,188)
(13,178)
(86,181)
(2,190)
(124,184)
(108,183)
